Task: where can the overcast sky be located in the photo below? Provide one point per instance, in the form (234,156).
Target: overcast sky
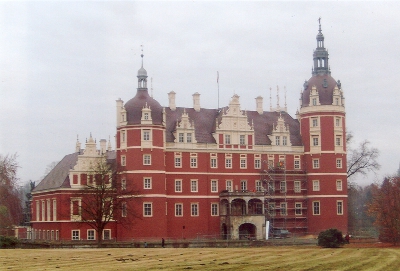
(63,65)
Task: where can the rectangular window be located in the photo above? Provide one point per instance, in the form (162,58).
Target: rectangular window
(57,235)
(123,136)
(297,186)
(54,210)
(75,235)
(243,185)
(315,185)
(339,207)
(257,163)
(147,209)
(283,208)
(283,186)
(337,122)
(37,210)
(277,140)
(43,210)
(228,162)
(213,162)
(243,163)
(315,141)
(314,101)
(106,234)
(193,162)
(147,183)
(339,186)
(52,235)
(229,185)
(227,139)
(315,163)
(189,137)
(258,186)
(242,140)
(146,116)
(194,209)
(338,163)
(314,122)
(178,185)
(271,208)
(146,135)
(296,164)
(123,184)
(338,141)
(178,163)
(316,208)
(181,137)
(284,140)
(214,186)
(123,160)
(298,208)
(91,235)
(214,209)
(146,159)
(178,209)
(193,186)
(76,207)
(124,209)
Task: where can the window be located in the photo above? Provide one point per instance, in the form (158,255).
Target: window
(283,208)
(213,162)
(297,186)
(146,116)
(258,186)
(337,122)
(178,162)
(189,137)
(54,210)
(296,164)
(243,163)
(298,208)
(181,137)
(315,163)
(271,209)
(242,140)
(147,209)
(124,209)
(193,162)
(339,207)
(315,185)
(229,185)
(284,140)
(243,185)
(91,235)
(338,141)
(193,186)
(314,101)
(228,162)
(338,163)
(146,135)
(337,101)
(178,209)
(227,139)
(257,163)
(277,139)
(339,185)
(214,186)
(314,122)
(123,136)
(316,208)
(178,185)
(123,184)
(315,141)
(52,235)
(123,160)
(43,210)
(147,183)
(37,210)
(75,234)
(106,234)
(194,207)
(146,159)
(283,186)
(214,209)
(76,207)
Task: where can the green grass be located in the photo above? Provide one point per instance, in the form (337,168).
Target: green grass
(262,258)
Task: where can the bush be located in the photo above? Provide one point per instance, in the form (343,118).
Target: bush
(331,238)
(8,242)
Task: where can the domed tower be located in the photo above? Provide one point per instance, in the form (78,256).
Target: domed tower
(140,142)
(322,120)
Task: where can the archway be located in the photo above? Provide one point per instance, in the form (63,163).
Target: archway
(224,231)
(247,231)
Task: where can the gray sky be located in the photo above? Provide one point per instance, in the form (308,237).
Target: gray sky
(63,65)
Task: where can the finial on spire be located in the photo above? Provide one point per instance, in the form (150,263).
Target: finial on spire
(319,22)
(142,53)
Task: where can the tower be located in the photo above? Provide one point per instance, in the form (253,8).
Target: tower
(322,123)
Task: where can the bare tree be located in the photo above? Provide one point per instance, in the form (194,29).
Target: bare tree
(103,199)
(10,200)
(362,159)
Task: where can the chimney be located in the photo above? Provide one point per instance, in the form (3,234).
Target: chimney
(120,104)
(103,144)
(171,98)
(259,105)
(196,101)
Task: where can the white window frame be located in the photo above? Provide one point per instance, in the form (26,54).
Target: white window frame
(316,185)
(229,185)
(123,160)
(258,186)
(257,163)
(297,164)
(54,210)
(75,235)
(283,186)
(243,185)
(339,185)
(194,209)
(179,209)
(227,139)
(338,162)
(214,209)
(228,162)
(189,138)
(339,207)
(123,184)
(124,209)
(315,141)
(243,163)
(316,163)
(314,122)
(283,209)
(146,135)
(284,140)
(316,207)
(181,137)
(193,162)
(147,209)
(178,186)
(147,159)
(242,139)
(214,186)
(194,186)
(91,234)
(298,208)
(277,140)
(147,183)
(108,235)
(297,186)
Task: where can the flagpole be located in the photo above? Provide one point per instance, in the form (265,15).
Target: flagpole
(218,87)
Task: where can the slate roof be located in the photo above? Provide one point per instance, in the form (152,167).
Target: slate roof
(325,93)
(135,105)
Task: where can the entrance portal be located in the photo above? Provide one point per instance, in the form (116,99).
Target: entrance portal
(247,231)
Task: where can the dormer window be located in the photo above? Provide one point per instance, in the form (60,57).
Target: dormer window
(227,139)
(242,140)
(146,116)
(277,140)
(189,137)
(314,101)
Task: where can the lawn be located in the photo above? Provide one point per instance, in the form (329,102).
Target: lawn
(260,258)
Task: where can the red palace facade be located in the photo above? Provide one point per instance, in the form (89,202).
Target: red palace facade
(219,173)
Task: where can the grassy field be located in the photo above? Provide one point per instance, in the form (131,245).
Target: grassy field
(261,258)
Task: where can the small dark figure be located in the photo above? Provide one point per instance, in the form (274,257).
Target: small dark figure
(145,244)
(162,242)
(347,238)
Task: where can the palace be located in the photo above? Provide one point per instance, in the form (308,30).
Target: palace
(219,173)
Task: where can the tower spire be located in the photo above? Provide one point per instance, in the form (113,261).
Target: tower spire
(142,74)
(320,56)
